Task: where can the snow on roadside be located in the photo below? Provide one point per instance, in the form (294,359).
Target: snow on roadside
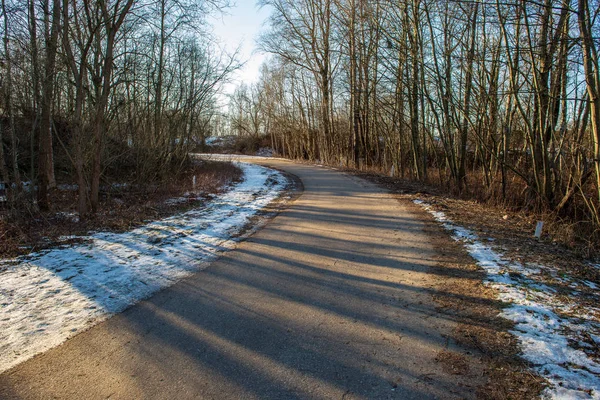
(49,296)
(233,157)
(556,335)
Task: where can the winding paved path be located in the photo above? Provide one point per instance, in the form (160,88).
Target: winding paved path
(328,301)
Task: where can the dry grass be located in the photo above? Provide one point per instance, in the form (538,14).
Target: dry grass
(570,229)
(454,363)
(122,208)
(565,243)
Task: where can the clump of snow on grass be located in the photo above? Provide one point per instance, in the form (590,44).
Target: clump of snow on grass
(220,140)
(556,335)
(591,285)
(49,296)
(233,157)
(69,216)
(67,187)
(265,152)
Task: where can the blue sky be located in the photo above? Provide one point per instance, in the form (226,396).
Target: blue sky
(241,25)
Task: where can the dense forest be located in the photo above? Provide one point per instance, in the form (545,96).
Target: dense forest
(497,100)
(90,88)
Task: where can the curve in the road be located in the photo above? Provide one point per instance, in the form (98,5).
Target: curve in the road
(330,300)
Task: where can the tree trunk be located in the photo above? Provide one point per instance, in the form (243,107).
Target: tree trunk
(8,100)
(46,179)
(112,24)
(592,78)
(467,100)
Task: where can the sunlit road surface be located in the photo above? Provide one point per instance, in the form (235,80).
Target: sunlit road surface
(331,300)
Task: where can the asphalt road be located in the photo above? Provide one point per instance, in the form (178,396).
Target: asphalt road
(330,300)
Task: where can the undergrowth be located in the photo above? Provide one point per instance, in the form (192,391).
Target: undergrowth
(124,204)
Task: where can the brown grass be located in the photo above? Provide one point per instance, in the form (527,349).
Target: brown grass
(122,208)
(454,363)
(570,228)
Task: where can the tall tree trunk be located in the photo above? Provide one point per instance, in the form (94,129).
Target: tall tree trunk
(592,78)
(112,24)
(9,103)
(158,101)
(354,108)
(46,158)
(467,100)
(3,170)
(325,76)
(77,71)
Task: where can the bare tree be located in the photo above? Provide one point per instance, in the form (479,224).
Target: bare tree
(8,94)
(592,77)
(483,93)
(46,162)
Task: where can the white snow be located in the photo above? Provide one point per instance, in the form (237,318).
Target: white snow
(265,152)
(71,216)
(67,187)
(49,296)
(546,325)
(212,140)
(233,157)
(220,140)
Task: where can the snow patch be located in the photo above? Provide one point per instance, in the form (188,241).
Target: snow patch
(233,157)
(220,140)
(49,296)
(265,152)
(69,216)
(65,187)
(550,328)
